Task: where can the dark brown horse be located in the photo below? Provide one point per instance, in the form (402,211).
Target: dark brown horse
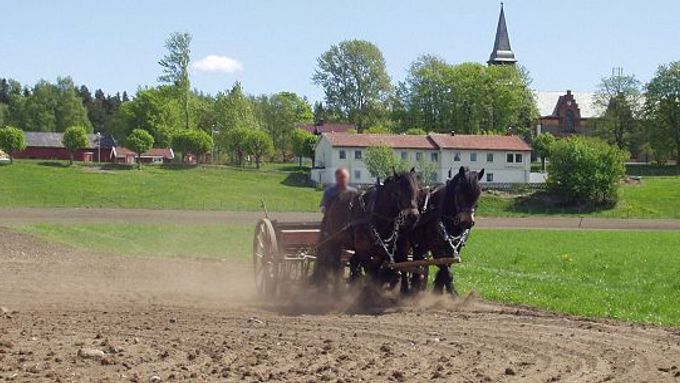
(446,213)
(366,223)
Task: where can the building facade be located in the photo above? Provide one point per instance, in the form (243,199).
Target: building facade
(566,113)
(506,159)
(48,146)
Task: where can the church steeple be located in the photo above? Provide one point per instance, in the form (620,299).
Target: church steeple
(502,53)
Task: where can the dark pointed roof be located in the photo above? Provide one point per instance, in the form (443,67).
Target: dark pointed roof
(502,52)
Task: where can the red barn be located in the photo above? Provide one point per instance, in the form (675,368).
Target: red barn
(48,146)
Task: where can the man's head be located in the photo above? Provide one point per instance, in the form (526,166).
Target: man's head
(341,178)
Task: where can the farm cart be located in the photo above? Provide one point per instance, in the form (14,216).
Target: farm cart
(284,254)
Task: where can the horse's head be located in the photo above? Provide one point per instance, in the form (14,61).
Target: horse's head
(462,194)
(399,192)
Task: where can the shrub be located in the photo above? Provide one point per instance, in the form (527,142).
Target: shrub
(585,171)
(139,141)
(12,140)
(380,161)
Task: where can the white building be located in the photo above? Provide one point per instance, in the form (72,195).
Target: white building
(507,159)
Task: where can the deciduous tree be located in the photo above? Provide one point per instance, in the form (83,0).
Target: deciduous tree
(380,161)
(543,145)
(662,104)
(355,81)
(74,138)
(619,97)
(259,144)
(139,141)
(175,66)
(12,140)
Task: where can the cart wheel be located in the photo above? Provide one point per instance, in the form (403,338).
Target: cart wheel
(265,258)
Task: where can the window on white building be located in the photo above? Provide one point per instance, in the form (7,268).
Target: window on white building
(489,157)
(357,175)
(357,154)
(419,156)
(473,157)
(456,156)
(434,157)
(510,158)
(489,177)
(404,155)
(518,158)
(343,154)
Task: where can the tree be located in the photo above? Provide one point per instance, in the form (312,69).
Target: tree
(585,170)
(355,81)
(196,142)
(662,104)
(303,145)
(139,141)
(259,144)
(279,115)
(415,132)
(175,66)
(467,98)
(619,97)
(236,141)
(75,138)
(233,110)
(12,140)
(154,110)
(542,146)
(380,161)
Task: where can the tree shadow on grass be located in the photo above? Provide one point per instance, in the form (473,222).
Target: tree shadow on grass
(542,202)
(54,164)
(297,179)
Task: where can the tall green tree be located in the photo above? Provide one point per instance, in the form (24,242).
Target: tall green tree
(12,140)
(139,141)
(380,161)
(619,96)
(542,146)
(193,141)
(154,110)
(279,115)
(662,104)
(75,138)
(175,66)
(259,144)
(355,81)
(233,110)
(303,145)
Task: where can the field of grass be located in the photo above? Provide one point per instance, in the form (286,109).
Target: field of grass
(52,184)
(632,276)
(230,242)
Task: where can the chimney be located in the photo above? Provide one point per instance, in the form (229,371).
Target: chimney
(453,133)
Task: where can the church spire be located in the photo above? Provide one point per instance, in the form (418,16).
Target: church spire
(502,53)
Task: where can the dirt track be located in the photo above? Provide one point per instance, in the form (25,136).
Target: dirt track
(27,216)
(176,319)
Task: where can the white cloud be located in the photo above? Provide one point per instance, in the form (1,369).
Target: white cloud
(217,64)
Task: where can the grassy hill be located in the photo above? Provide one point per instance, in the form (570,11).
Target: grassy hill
(52,184)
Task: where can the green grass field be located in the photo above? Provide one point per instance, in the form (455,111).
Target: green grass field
(632,276)
(51,184)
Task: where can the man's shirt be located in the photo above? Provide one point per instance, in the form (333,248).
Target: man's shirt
(331,193)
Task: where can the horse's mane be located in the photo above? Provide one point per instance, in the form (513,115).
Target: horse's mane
(465,183)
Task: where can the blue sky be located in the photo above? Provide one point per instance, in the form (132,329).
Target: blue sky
(273,45)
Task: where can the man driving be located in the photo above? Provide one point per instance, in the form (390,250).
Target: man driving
(341,185)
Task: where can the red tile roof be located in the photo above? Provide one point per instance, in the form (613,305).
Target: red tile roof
(327,127)
(402,141)
(166,153)
(480,142)
(431,141)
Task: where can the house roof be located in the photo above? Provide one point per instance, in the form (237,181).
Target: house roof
(431,141)
(480,142)
(547,102)
(327,127)
(122,152)
(53,140)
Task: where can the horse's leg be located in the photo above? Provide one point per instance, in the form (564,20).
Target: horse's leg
(444,280)
(401,255)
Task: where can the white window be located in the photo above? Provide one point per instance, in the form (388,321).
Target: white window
(404,155)
(518,158)
(419,156)
(473,157)
(514,158)
(489,157)
(510,158)
(343,154)
(357,175)
(357,154)
(434,157)
(489,177)
(456,156)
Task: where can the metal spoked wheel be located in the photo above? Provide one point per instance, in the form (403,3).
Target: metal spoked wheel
(265,258)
